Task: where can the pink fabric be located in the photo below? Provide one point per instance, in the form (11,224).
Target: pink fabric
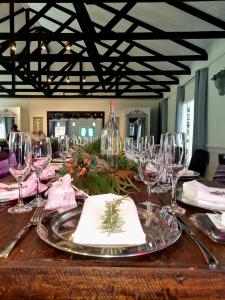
(61,195)
(29,189)
(49,172)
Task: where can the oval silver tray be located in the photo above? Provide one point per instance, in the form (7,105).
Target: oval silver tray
(161,229)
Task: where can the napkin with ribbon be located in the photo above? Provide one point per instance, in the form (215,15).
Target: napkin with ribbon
(89,230)
(61,195)
(209,196)
(11,191)
(49,172)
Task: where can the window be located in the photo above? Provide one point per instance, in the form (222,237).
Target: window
(187,125)
(87,132)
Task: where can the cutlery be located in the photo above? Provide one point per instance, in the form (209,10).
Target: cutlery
(210,258)
(35,219)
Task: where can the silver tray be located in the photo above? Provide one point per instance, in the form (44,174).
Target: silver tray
(161,229)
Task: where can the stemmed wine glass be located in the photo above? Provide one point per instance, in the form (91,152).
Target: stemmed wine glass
(63,144)
(175,160)
(41,157)
(149,173)
(19,165)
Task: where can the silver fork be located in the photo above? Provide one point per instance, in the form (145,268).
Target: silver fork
(35,219)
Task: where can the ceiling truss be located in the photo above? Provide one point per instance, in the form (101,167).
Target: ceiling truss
(32,72)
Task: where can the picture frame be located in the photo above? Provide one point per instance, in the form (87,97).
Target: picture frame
(37,125)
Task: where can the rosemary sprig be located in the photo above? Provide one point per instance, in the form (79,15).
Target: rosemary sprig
(111,220)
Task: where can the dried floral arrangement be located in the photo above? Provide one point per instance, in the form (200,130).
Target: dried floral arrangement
(92,173)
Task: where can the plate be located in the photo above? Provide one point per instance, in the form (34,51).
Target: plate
(204,204)
(190,173)
(161,229)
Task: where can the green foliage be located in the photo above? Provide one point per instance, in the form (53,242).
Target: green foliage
(95,183)
(93,148)
(111,221)
(125,163)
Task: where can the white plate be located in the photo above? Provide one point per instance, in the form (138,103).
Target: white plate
(202,204)
(190,173)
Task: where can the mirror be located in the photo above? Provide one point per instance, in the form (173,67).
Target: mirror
(136,123)
(7,120)
(79,123)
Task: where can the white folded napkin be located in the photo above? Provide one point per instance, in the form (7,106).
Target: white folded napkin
(89,230)
(210,196)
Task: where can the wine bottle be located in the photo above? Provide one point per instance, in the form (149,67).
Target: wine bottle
(110,136)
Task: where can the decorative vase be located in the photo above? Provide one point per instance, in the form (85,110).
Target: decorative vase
(110,136)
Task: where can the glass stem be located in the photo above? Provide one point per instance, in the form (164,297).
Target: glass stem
(149,192)
(37,187)
(174,198)
(20,199)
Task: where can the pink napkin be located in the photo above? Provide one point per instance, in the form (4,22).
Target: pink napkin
(29,189)
(61,194)
(49,172)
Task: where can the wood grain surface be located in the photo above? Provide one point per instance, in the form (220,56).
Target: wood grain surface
(35,270)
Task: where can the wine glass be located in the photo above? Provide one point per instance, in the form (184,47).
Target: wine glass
(149,173)
(19,165)
(175,153)
(63,144)
(41,157)
(149,144)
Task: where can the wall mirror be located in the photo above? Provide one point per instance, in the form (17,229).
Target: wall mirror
(7,120)
(136,124)
(78,123)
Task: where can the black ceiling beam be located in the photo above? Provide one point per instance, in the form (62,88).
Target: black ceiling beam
(94,95)
(169,35)
(87,83)
(6,18)
(198,13)
(87,26)
(101,1)
(76,57)
(149,27)
(105,73)
(74,90)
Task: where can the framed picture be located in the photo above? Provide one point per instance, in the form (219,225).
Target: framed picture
(37,125)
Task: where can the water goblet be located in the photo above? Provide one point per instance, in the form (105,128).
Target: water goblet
(19,165)
(175,151)
(41,157)
(149,173)
(63,146)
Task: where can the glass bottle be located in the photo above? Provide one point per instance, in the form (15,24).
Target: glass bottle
(110,136)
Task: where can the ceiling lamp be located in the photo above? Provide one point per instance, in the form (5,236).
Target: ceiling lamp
(68,47)
(49,80)
(58,124)
(43,46)
(68,79)
(73,124)
(13,46)
(83,78)
(93,124)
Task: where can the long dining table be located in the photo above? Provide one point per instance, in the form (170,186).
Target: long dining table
(36,270)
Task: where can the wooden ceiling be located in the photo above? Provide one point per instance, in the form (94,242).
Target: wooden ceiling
(120,49)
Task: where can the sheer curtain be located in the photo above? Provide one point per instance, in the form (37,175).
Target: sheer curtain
(200,109)
(163,116)
(179,108)
(2,128)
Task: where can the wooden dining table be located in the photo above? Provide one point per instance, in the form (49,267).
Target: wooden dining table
(36,270)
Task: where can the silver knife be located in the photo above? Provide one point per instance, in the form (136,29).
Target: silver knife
(210,258)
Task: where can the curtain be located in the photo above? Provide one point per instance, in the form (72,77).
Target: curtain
(200,109)
(179,108)
(163,116)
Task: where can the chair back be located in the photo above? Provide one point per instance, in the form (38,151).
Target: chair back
(219,175)
(199,161)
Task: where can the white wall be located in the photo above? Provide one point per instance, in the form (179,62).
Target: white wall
(216,104)
(39,107)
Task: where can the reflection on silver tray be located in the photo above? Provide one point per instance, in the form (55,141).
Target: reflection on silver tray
(204,223)
(161,231)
